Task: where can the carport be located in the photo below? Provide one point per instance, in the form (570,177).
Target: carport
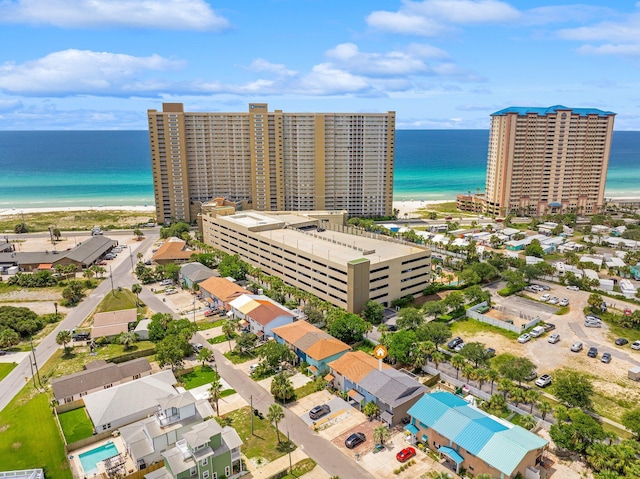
(451,454)
(355,398)
(387,417)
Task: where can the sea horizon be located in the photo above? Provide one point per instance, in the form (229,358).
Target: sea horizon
(112,168)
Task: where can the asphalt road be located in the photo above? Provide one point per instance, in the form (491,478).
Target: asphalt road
(15,381)
(319,449)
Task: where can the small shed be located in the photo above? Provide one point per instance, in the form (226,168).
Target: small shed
(634,373)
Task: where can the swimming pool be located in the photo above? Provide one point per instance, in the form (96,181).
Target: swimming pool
(90,459)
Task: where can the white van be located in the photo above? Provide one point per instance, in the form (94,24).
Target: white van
(537,331)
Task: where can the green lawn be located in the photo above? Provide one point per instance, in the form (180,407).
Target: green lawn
(75,424)
(300,468)
(220,339)
(470,327)
(237,358)
(199,376)
(116,300)
(305,390)
(30,436)
(5,369)
(263,443)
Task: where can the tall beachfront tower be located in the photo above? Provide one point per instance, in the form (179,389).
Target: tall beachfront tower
(548,160)
(271,161)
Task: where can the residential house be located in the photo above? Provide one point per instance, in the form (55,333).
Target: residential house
(627,288)
(173,250)
(219,292)
(207,451)
(311,345)
(145,440)
(194,273)
(98,375)
(470,438)
(365,379)
(111,408)
(111,323)
(142,329)
(261,313)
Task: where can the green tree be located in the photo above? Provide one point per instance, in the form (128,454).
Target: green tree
(545,408)
(8,338)
(73,293)
(438,357)
(454,300)
(159,325)
(229,330)
(476,353)
(595,301)
(172,350)
(245,342)
(516,369)
(381,434)
(457,361)
(373,312)
(516,395)
(215,390)
(138,233)
(534,249)
(400,345)
(528,422)
(348,327)
(63,338)
(371,409)
(438,333)
(282,388)
(409,318)
(313,313)
(578,433)
(433,308)
(136,289)
(531,397)
(573,388)
(275,353)
(631,420)
(275,415)
(234,267)
(128,339)
(204,355)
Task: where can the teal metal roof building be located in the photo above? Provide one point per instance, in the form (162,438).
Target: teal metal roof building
(551,110)
(472,438)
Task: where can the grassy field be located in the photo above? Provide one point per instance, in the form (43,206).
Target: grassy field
(30,436)
(470,327)
(300,468)
(116,300)
(75,425)
(199,376)
(75,220)
(5,369)
(263,443)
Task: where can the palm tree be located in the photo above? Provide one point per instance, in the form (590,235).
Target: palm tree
(457,361)
(381,434)
(136,289)
(127,339)
(282,388)
(492,375)
(531,396)
(275,415)
(528,422)
(63,338)
(482,375)
(204,355)
(438,475)
(228,328)
(468,371)
(88,273)
(438,357)
(505,385)
(517,395)
(215,390)
(545,408)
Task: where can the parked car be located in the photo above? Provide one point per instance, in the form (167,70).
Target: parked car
(554,338)
(392,327)
(524,338)
(166,282)
(454,342)
(635,345)
(576,347)
(209,312)
(554,300)
(591,317)
(2,352)
(253,367)
(621,341)
(531,376)
(543,381)
(354,440)
(83,336)
(573,288)
(490,352)
(593,352)
(564,302)
(319,411)
(627,312)
(592,324)
(406,454)
(545,297)
(459,347)
(102,263)
(171,291)
(606,358)
(549,326)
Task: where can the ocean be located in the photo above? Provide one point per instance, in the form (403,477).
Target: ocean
(113,168)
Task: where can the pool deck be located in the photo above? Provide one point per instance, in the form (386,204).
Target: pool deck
(76,466)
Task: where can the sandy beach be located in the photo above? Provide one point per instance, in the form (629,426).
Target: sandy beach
(412,206)
(18,211)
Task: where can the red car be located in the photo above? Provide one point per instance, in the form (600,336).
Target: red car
(406,454)
(209,312)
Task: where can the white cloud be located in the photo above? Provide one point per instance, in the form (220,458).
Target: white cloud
(262,65)
(426,51)
(162,14)
(610,49)
(325,79)
(626,31)
(78,72)
(349,57)
(399,22)
(10,105)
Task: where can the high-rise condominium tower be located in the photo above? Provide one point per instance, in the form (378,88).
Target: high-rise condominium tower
(271,161)
(548,160)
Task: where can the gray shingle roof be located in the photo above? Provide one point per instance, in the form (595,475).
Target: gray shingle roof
(391,386)
(196,272)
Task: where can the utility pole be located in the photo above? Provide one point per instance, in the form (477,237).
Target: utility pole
(111,278)
(35,362)
(251,406)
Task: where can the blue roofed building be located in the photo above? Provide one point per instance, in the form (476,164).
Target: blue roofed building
(469,437)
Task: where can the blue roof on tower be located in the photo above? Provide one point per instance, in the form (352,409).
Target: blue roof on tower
(525,110)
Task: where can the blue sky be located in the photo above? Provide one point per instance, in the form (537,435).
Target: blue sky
(440,64)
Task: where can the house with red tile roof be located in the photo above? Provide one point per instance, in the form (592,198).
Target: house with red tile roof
(219,292)
(311,345)
(261,313)
(173,250)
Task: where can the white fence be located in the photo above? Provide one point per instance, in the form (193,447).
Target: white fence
(474,314)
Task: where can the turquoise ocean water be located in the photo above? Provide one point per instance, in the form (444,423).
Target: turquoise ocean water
(113,168)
